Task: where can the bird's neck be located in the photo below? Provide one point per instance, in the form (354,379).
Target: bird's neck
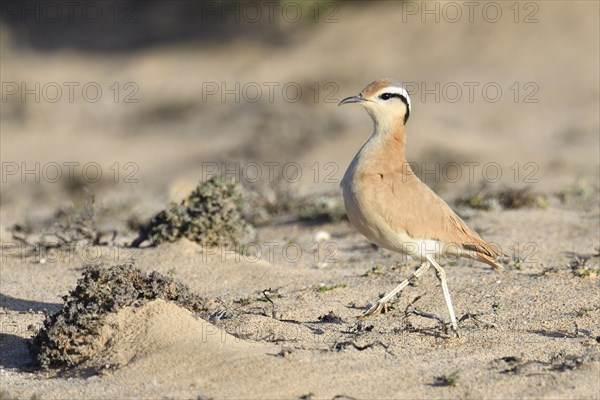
(390,139)
(383,152)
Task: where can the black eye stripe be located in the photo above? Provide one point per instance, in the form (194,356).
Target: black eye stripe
(387,96)
(407,108)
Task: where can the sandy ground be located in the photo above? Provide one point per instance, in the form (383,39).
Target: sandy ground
(536,331)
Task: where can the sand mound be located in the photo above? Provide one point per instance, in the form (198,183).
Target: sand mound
(72,336)
(162,342)
(157,327)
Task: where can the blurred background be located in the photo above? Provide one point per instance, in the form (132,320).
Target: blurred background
(134,102)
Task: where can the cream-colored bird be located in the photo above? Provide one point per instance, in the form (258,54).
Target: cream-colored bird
(392,207)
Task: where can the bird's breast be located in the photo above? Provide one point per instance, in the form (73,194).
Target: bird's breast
(359,189)
(372,192)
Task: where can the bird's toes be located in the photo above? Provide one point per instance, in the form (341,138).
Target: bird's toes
(371,312)
(455,332)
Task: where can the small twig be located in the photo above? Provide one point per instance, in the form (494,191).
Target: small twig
(518,368)
(429,315)
(338,346)
(410,310)
(475,317)
(273,311)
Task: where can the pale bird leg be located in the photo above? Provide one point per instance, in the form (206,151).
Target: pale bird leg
(441,274)
(377,307)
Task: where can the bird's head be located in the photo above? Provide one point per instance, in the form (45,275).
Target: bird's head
(386,101)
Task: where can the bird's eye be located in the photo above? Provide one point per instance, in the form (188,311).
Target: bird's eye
(385,96)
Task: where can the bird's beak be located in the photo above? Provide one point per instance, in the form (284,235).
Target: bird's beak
(352,99)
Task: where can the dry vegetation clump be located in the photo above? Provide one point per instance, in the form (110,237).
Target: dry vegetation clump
(212,215)
(579,192)
(320,209)
(450,379)
(279,200)
(67,227)
(505,199)
(584,266)
(67,337)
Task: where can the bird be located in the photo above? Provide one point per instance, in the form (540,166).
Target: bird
(393,208)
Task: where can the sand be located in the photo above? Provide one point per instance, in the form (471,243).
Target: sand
(530,331)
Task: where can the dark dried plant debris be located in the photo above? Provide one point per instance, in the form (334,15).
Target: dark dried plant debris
(564,362)
(585,266)
(331,318)
(67,337)
(587,310)
(340,346)
(284,352)
(212,215)
(374,271)
(559,362)
(450,379)
(505,199)
(67,227)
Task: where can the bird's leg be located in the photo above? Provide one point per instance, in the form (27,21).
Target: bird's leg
(441,274)
(377,307)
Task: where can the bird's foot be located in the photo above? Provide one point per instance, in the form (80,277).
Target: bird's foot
(376,309)
(454,331)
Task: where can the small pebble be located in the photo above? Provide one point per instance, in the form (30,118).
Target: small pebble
(322,236)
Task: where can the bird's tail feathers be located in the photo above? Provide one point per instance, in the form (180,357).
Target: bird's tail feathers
(488,260)
(478,253)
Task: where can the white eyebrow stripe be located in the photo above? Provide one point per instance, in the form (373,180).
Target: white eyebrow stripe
(397,90)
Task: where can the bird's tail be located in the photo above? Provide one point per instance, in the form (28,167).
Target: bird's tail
(488,260)
(483,252)
(479,253)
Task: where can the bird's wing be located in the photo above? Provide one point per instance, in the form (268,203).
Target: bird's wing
(398,195)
